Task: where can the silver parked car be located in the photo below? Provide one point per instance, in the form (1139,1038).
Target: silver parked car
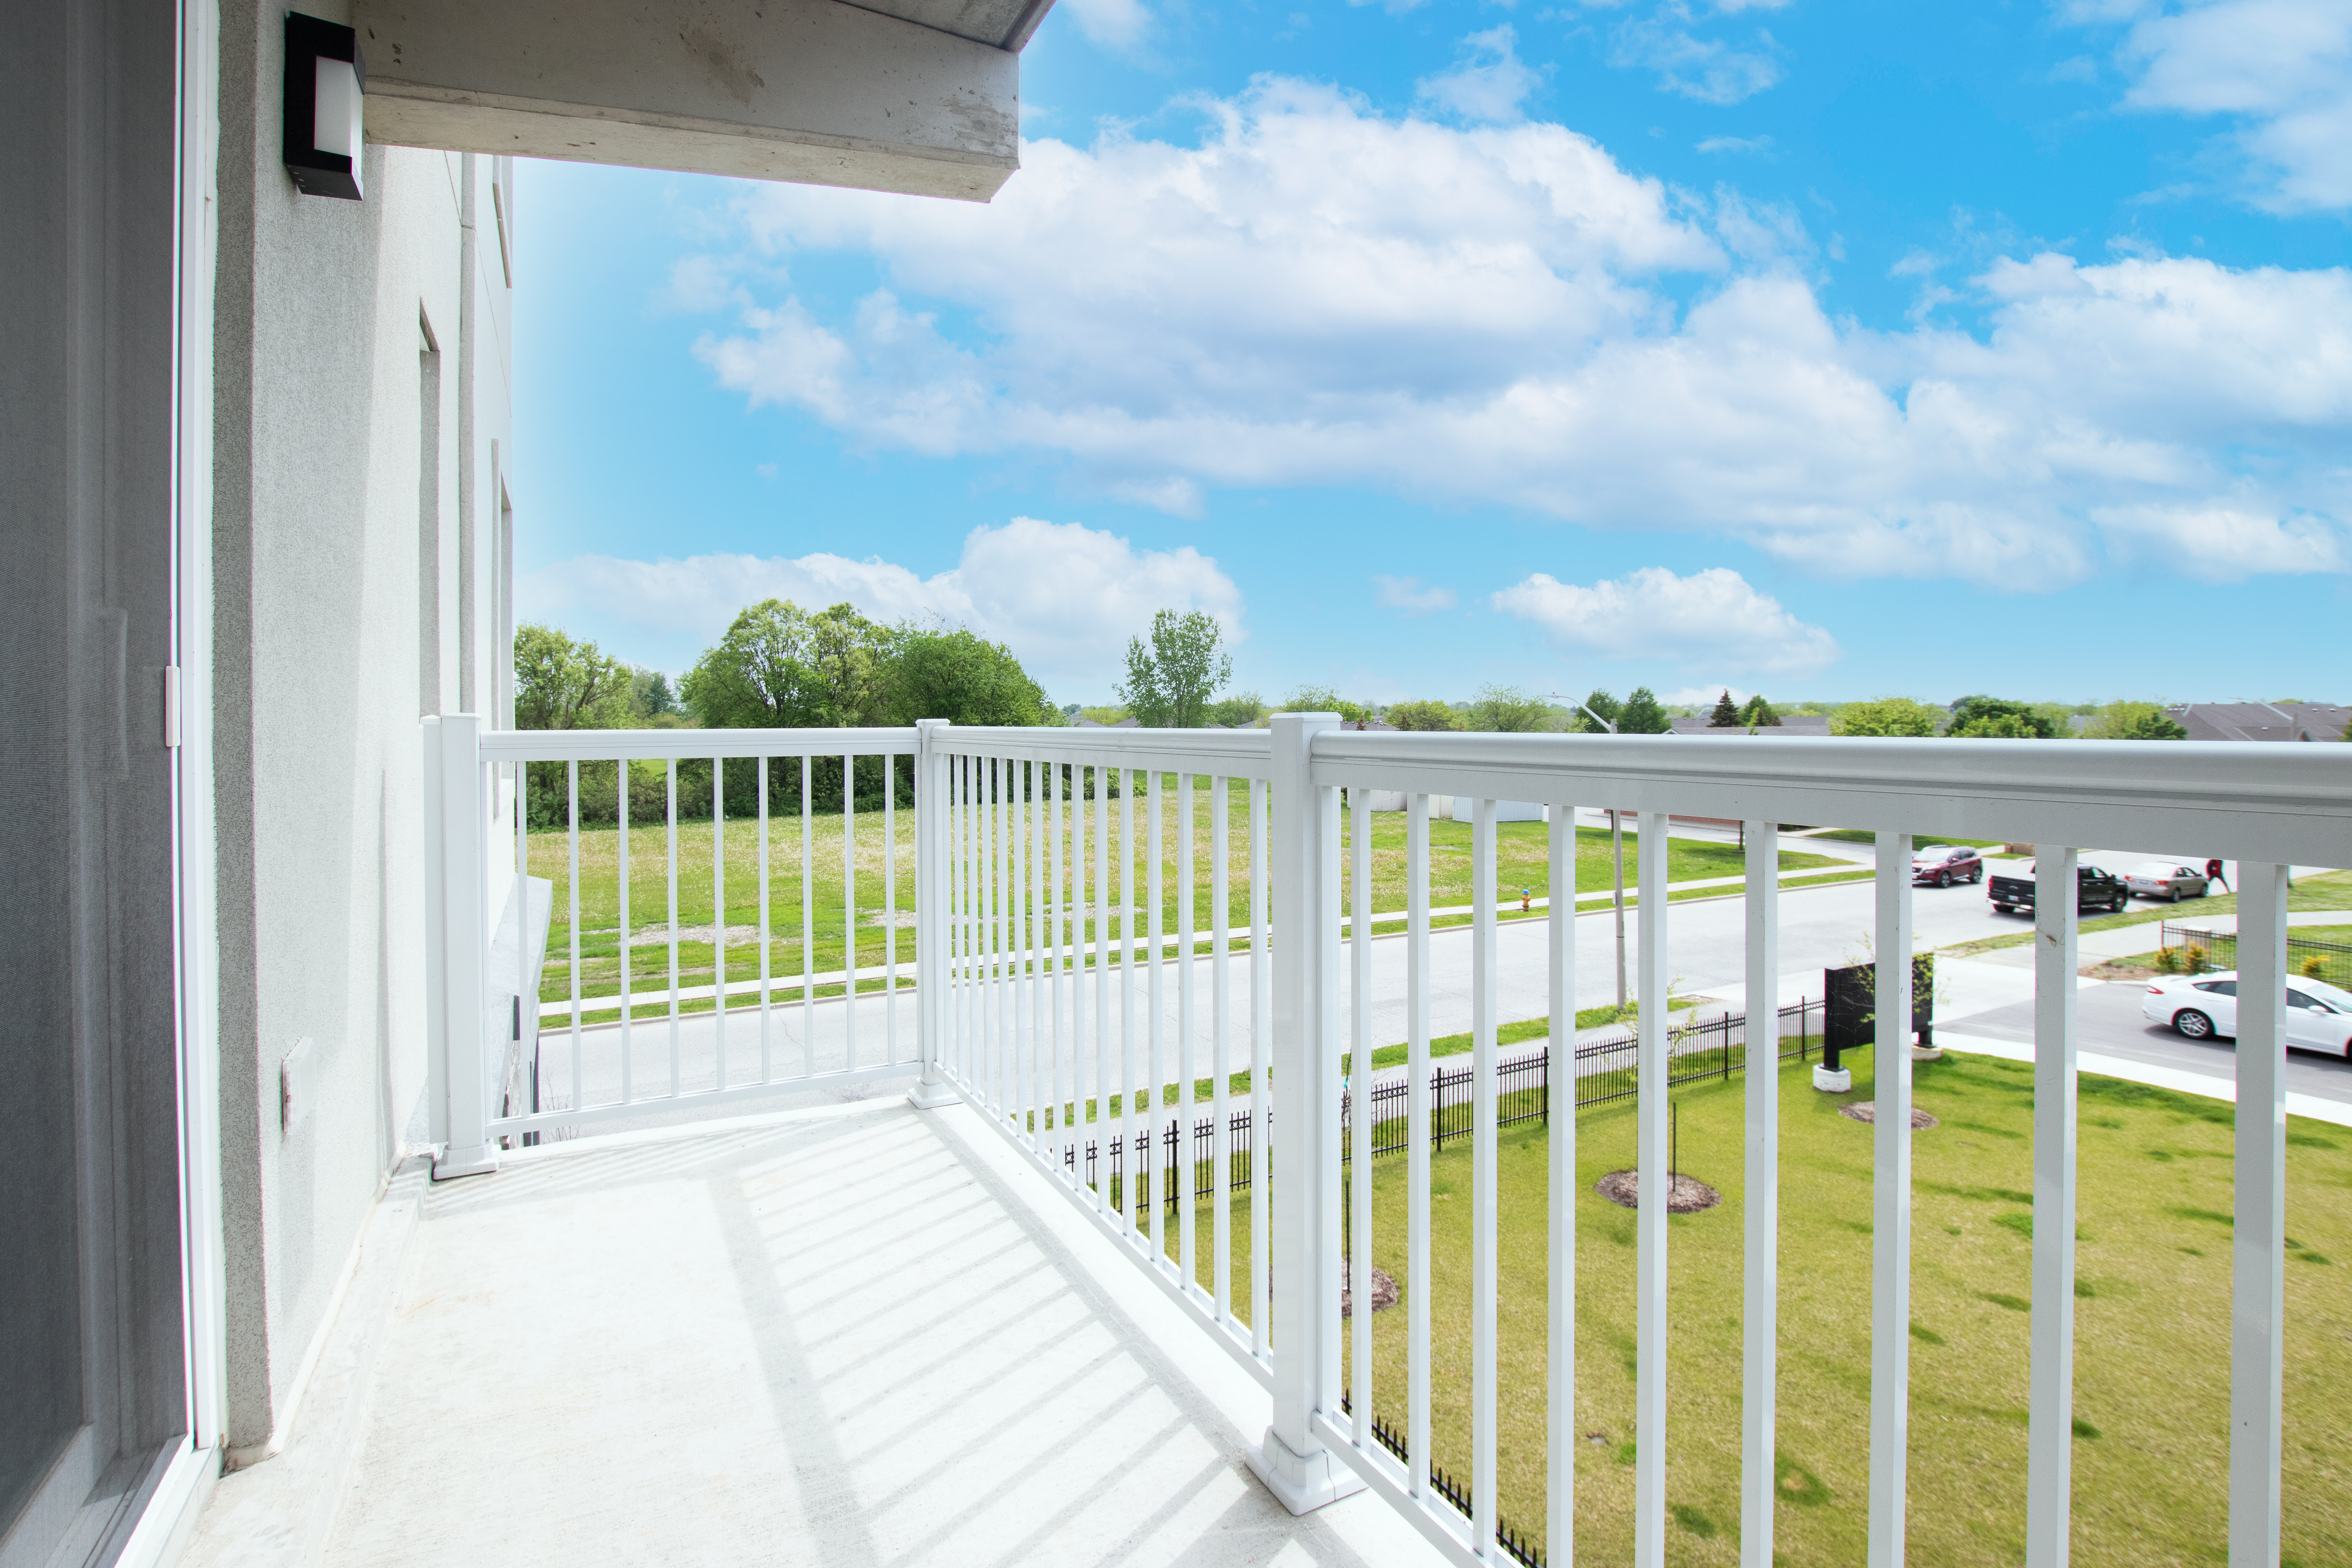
(2163,880)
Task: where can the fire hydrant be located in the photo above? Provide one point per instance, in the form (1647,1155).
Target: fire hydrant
(1522,901)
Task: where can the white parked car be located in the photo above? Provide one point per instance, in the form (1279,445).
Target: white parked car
(2163,880)
(2318,1016)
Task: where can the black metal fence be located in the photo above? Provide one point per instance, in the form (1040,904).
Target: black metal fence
(2191,949)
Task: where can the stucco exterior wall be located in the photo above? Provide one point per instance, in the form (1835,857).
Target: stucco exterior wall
(358,583)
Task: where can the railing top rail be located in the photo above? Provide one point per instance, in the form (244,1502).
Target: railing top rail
(1231,753)
(604,745)
(2288,804)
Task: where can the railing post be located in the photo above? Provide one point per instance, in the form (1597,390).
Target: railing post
(1292,1460)
(2258,1240)
(457,814)
(932,974)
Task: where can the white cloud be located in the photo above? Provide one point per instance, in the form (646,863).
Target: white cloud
(1736,144)
(1316,295)
(1709,69)
(1407,594)
(1702,695)
(1058,594)
(1489,82)
(2221,545)
(2282,68)
(1711,617)
(1119,26)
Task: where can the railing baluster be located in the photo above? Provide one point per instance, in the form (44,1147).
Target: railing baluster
(718,911)
(670,860)
(628,1012)
(1221,1048)
(1485,1180)
(1040,1001)
(1157,1036)
(767,978)
(2258,1247)
(1180,1170)
(808,919)
(1560,1132)
(1890,1245)
(1759,1324)
(1103,1092)
(1056,915)
(1419,1285)
(1261,1038)
(2050,1442)
(993,913)
(571,816)
(1649,1115)
(1360,1111)
(890,906)
(849,911)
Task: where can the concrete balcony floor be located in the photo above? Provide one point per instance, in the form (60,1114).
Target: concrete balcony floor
(860,1334)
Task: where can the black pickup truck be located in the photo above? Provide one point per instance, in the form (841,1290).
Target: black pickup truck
(2094,889)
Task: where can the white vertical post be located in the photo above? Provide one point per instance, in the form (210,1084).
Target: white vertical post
(1292,1460)
(934,950)
(1261,873)
(1417,1275)
(2258,1249)
(1486,1181)
(1187,1063)
(463,919)
(1150,1158)
(1651,1110)
(1220,1140)
(1890,1239)
(2050,1439)
(1760,1314)
(1360,1113)
(1560,1132)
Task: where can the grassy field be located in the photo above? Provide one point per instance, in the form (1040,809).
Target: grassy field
(2152,1326)
(1522,857)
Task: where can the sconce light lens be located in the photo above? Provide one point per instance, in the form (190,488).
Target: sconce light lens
(326,85)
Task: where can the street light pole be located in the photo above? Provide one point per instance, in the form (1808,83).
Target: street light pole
(1617,859)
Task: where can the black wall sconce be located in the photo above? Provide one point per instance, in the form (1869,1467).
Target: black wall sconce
(325,80)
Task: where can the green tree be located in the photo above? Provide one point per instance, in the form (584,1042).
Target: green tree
(1603,705)
(2004,718)
(657,698)
(846,651)
(1886,716)
(561,684)
(1311,698)
(1643,715)
(761,674)
(2126,721)
(953,673)
(1239,711)
(1760,713)
(1170,679)
(1508,710)
(1725,715)
(1428,715)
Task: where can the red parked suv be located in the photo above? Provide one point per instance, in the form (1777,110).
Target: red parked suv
(1944,865)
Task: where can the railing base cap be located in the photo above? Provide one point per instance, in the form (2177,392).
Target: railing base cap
(454,1163)
(930,1096)
(1302,1484)
(1828,1082)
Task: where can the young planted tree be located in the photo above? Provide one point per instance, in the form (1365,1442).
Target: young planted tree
(1508,710)
(1429,715)
(1726,713)
(1643,715)
(1170,679)
(561,684)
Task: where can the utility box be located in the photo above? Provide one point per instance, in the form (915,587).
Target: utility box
(1850,1006)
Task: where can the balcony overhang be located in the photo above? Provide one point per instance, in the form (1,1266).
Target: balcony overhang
(920,99)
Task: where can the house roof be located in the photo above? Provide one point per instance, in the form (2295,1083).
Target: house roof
(2262,721)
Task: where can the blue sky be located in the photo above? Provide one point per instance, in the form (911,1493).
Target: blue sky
(1826,349)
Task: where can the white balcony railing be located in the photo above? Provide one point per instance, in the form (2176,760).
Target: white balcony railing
(1042,998)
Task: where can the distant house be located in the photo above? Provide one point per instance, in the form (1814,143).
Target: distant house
(1789,724)
(2262,721)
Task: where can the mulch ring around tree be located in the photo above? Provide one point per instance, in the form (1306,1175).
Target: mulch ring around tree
(1688,1196)
(1866,1111)
(1384,1289)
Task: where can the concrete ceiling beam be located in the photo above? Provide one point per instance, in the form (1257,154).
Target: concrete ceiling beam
(808,90)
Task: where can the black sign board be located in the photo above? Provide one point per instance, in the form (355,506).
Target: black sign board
(1851,1006)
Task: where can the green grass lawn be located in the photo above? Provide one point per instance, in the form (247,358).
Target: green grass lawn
(2152,1327)
(1870,835)
(1522,859)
